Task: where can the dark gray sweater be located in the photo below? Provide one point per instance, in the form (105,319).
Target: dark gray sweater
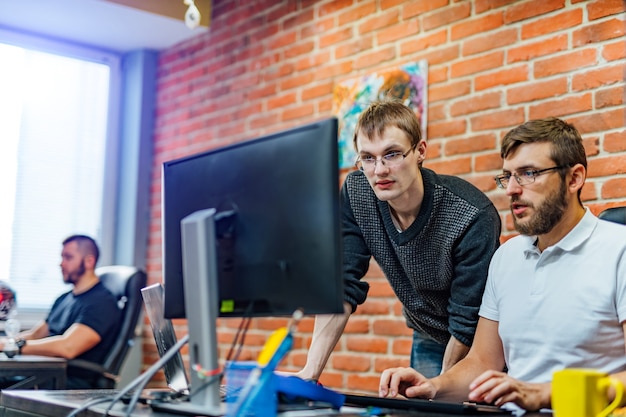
(438,266)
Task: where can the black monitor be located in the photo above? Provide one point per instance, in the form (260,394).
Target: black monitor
(253,229)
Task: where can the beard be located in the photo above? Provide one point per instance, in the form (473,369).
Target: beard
(547,214)
(73,277)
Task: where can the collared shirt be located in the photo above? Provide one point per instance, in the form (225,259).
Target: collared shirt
(562,307)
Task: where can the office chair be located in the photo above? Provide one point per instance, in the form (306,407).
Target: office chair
(614,214)
(125,282)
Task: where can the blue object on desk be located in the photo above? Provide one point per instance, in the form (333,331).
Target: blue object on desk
(260,383)
(297,387)
(237,374)
(258,395)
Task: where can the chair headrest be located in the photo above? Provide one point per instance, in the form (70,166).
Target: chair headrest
(116,278)
(614,214)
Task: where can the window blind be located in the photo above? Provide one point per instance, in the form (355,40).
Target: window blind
(53,122)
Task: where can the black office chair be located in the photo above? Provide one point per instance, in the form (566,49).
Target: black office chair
(125,282)
(614,214)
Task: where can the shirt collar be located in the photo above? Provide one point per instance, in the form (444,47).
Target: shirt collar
(578,235)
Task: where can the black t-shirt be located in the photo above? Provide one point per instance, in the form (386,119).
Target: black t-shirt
(95,308)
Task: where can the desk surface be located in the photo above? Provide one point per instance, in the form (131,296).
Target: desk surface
(60,403)
(39,370)
(28,360)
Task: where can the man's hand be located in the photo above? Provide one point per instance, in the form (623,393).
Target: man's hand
(407,382)
(498,388)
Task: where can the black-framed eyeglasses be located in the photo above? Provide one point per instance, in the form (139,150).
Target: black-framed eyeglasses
(390,159)
(525,177)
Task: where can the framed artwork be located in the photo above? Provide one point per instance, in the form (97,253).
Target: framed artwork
(408,83)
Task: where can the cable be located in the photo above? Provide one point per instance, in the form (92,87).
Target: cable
(245,325)
(234,343)
(141,379)
(211,381)
(90,403)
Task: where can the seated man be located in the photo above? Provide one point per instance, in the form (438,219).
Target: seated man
(83,322)
(555,296)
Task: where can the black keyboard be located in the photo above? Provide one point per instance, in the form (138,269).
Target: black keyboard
(415,404)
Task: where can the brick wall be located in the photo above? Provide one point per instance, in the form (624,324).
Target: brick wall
(265,66)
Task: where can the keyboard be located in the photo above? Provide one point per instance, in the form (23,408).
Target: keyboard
(416,404)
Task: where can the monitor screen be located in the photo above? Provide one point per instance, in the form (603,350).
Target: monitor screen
(278,241)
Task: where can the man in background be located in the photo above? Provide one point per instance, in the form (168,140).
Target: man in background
(432,235)
(556,295)
(83,322)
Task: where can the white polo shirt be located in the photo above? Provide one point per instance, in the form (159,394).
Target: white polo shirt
(563,307)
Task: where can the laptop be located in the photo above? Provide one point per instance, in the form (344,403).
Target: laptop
(165,338)
(416,404)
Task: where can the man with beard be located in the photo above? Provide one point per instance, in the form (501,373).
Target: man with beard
(555,295)
(82,322)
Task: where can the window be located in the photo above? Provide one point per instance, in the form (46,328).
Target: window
(54,122)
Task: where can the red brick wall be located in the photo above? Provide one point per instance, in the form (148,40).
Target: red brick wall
(493,64)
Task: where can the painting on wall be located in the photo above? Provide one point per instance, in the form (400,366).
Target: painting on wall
(408,83)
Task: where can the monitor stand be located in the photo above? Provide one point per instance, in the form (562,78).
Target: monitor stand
(201,297)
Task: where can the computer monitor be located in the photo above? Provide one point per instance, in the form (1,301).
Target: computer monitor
(252,229)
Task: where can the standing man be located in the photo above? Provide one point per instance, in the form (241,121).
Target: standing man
(82,322)
(432,235)
(556,294)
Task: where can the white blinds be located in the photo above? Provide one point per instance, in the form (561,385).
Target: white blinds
(53,120)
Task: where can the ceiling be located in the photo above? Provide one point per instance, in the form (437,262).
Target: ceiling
(100,23)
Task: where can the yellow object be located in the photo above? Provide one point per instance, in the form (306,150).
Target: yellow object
(579,392)
(272,344)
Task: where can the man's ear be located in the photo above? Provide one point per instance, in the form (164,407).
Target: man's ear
(420,150)
(90,262)
(577,178)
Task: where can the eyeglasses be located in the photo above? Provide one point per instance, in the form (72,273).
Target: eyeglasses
(390,159)
(523,178)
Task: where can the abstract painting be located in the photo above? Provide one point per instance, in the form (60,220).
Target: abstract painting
(408,83)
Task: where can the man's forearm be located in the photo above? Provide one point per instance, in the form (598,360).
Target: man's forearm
(39,331)
(326,333)
(455,351)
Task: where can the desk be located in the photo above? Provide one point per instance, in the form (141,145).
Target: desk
(43,403)
(40,371)
(58,403)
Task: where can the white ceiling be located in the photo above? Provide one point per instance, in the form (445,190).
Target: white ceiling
(95,23)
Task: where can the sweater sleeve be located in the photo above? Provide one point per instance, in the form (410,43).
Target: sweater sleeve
(356,255)
(472,255)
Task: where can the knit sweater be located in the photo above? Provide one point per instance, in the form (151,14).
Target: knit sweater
(438,266)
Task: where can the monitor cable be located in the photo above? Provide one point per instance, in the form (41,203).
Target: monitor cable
(240,336)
